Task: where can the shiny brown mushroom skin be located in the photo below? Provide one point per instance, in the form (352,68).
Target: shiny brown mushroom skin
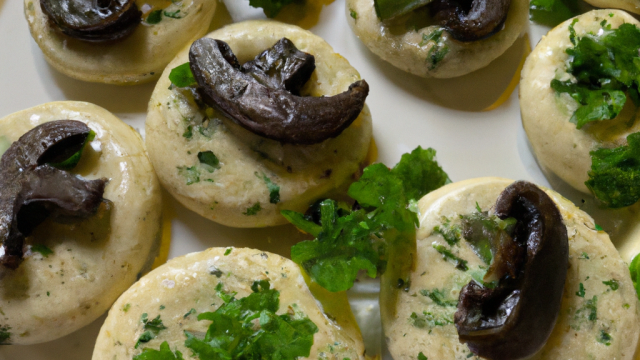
(514,320)
(272,113)
(470,20)
(31,190)
(282,67)
(93,20)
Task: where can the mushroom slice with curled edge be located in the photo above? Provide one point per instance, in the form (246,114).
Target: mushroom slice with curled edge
(515,319)
(470,20)
(93,20)
(31,190)
(273,113)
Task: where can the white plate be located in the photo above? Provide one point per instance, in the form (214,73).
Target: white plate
(407,111)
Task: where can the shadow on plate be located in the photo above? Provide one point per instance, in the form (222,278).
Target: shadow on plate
(476,91)
(75,346)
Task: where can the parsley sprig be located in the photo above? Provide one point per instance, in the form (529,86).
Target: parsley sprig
(383,229)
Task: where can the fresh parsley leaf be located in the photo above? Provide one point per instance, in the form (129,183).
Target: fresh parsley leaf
(421,356)
(553,12)
(349,241)
(151,327)
(614,173)
(154,17)
(613,284)
(253,210)
(181,76)
(43,250)
(300,221)
(271,8)
(274,190)
(450,233)
(191,174)
(634,269)
(164,353)
(605,67)
(209,161)
(74,159)
(598,227)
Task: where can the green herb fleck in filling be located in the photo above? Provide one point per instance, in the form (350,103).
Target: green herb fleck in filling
(604,338)
(5,335)
(421,356)
(450,233)
(580,291)
(191,174)
(613,284)
(429,320)
(253,210)
(190,312)
(209,161)
(151,327)
(451,257)
(154,17)
(438,297)
(588,312)
(481,230)
(126,307)
(438,51)
(228,251)
(42,249)
(274,190)
(353,14)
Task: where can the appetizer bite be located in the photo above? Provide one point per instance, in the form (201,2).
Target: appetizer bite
(238,143)
(579,100)
(79,218)
(507,270)
(122,42)
(228,304)
(440,38)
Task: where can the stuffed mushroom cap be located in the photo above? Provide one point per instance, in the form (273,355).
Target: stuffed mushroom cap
(561,148)
(94,260)
(188,286)
(598,316)
(135,59)
(414,50)
(253,178)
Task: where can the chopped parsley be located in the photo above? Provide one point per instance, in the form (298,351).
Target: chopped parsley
(154,17)
(588,312)
(42,249)
(188,132)
(366,238)
(449,256)
(481,230)
(552,12)
(580,291)
(598,227)
(614,173)
(164,353)
(613,284)
(208,161)
(181,76)
(438,51)
(253,210)
(353,14)
(450,233)
(190,312)
(583,256)
(422,357)
(429,320)
(605,67)
(634,269)
(191,174)
(126,307)
(271,8)
(5,335)
(274,190)
(173,14)
(438,297)
(228,251)
(151,327)
(604,338)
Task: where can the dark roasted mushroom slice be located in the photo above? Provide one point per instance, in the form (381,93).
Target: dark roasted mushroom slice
(515,319)
(282,67)
(470,20)
(31,190)
(273,113)
(93,20)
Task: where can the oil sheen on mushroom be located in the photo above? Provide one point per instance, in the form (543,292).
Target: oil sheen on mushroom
(93,20)
(31,190)
(261,95)
(514,319)
(470,20)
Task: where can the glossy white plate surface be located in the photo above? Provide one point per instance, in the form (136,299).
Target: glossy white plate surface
(407,111)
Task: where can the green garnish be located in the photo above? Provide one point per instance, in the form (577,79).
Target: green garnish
(151,327)
(388,9)
(485,230)
(43,250)
(181,76)
(274,190)
(126,307)
(173,14)
(253,210)
(613,284)
(438,297)
(164,353)
(614,173)
(192,174)
(580,291)
(74,159)
(188,132)
(449,256)
(589,311)
(604,338)
(422,357)
(552,12)
(584,256)
(439,49)
(5,335)
(634,269)
(598,227)
(605,66)
(190,312)
(430,320)
(271,8)
(154,17)
(450,233)
(209,161)
(353,14)
(228,251)
(365,239)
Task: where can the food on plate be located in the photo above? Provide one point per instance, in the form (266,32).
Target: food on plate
(238,143)
(375,232)
(507,270)
(441,38)
(628,5)
(79,218)
(121,42)
(579,99)
(228,303)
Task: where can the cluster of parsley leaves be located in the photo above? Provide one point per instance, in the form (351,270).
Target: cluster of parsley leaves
(246,329)
(347,241)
